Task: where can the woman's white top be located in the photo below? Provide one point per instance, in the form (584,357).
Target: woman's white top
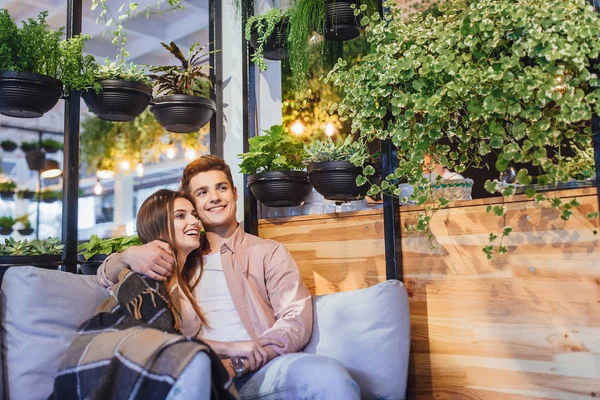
(214,299)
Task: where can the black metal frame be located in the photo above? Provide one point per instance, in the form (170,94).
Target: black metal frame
(71,153)
(216,75)
(250,121)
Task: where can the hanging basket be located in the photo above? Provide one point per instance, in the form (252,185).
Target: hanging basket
(119,101)
(6,194)
(8,147)
(281,188)
(6,231)
(27,95)
(25,232)
(275,48)
(181,113)
(341,23)
(36,159)
(336,180)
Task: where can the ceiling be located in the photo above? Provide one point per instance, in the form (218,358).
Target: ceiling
(185,27)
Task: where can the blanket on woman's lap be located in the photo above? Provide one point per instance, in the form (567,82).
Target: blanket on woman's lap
(131,348)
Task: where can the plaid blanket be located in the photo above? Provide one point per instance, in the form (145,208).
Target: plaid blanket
(131,348)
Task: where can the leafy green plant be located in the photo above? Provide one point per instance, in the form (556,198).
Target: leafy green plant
(25,193)
(118,70)
(96,245)
(479,78)
(343,150)
(8,145)
(35,247)
(49,195)
(264,26)
(38,49)
(308,18)
(8,186)
(28,146)
(51,145)
(276,150)
(6,222)
(24,219)
(188,78)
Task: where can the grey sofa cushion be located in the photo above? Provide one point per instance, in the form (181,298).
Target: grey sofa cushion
(41,310)
(368,330)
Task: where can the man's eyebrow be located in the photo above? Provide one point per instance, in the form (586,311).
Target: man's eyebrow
(201,188)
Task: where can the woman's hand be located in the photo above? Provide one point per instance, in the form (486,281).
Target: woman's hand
(253,351)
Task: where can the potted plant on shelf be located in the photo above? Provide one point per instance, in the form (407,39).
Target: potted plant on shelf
(25,194)
(26,229)
(8,145)
(46,253)
(34,156)
(6,224)
(275,169)
(51,146)
(331,170)
(7,189)
(267,33)
(182,104)
(49,196)
(93,252)
(34,65)
(489,81)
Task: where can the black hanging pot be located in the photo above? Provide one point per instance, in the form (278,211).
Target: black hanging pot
(8,147)
(90,266)
(280,188)
(336,180)
(6,194)
(27,95)
(181,113)
(340,22)
(119,100)
(36,159)
(275,48)
(27,194)
(25,232)
(6,231)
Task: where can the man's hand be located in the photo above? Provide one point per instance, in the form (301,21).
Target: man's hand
(153,259)
(254,351)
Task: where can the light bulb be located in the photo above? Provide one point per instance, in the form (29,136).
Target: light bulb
(329,129)
(171,151)
(125,165)
(98,188)
(140,169)
(190,154)
(297,128)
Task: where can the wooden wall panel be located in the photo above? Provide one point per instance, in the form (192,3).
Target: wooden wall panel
(525,325)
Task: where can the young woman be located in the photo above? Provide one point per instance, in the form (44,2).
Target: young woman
(171,217)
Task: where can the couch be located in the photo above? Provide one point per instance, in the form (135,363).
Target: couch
(368,330)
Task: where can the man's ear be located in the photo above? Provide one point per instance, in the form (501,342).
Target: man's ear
(235,193)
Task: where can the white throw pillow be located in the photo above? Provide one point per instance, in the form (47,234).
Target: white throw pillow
(41,310)
(367,330)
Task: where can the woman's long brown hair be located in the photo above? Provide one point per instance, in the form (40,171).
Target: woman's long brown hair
(155,222)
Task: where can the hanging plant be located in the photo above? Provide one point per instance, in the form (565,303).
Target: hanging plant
(268,35)
(8,145)
(480,78)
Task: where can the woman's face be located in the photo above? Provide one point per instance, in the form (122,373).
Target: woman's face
(186,226)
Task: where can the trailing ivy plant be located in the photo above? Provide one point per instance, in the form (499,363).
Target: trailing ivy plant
(276,150)
(510,78)
(264,26)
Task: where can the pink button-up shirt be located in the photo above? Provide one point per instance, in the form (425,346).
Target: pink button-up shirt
(265,285)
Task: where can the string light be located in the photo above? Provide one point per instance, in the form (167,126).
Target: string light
(298,128)
(190,154)
(171,151)
(330,129)
(125,165)
(140,169)
(105,174)
(98,187)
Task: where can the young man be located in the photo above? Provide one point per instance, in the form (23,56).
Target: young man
(251,293)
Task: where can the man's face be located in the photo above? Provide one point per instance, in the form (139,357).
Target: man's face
(215,199)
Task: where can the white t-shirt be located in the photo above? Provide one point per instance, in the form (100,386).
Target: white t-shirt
(214,299)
